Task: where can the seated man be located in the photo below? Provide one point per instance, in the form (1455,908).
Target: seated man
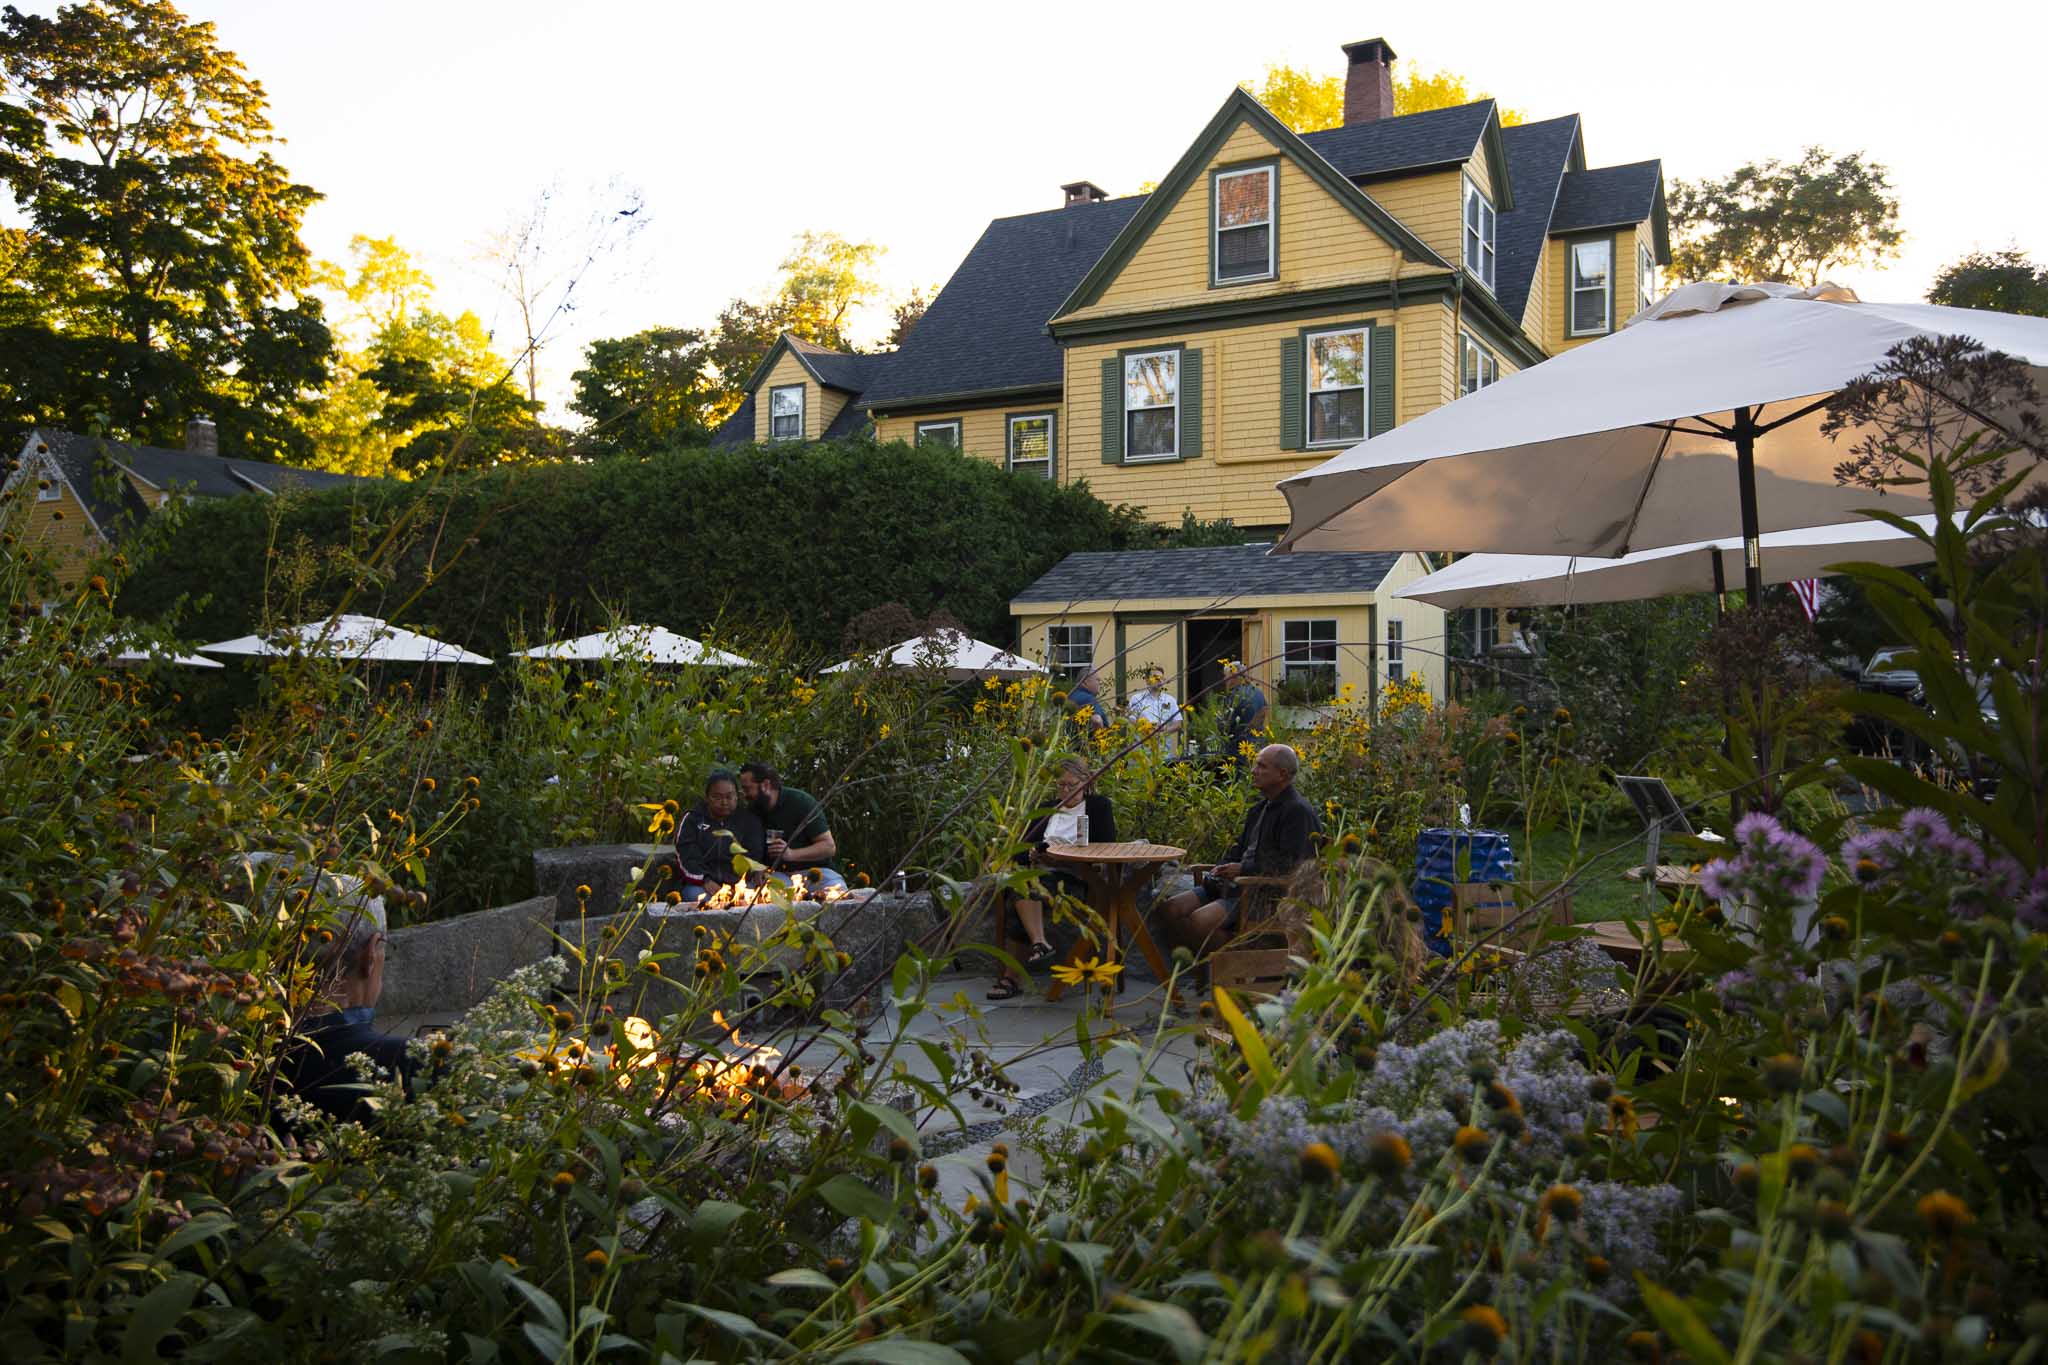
(350,972)
(799,838)
(708,835)
(1278,836)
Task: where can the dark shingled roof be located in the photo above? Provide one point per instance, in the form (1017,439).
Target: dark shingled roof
(1407,143)
(738,429)
(1538,157)
(1225,571)
(835,369)
(113,502)
(852,419)
(1611,196)
(185,471)
(986,329)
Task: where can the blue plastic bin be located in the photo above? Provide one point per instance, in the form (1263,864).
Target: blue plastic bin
(1445,857)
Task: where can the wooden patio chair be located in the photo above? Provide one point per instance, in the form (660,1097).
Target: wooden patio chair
(1258,960)
(1477,907)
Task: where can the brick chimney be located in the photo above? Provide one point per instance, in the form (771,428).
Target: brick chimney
(1368,82)
(1083,192)
(202,437)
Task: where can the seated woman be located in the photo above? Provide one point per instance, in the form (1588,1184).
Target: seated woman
(1063,824)
(709,833)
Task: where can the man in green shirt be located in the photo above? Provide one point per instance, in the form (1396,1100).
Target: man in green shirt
(806,844)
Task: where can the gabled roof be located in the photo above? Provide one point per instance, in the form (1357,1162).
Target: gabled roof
(1217,573)
(851,421)
(834,369)
(1540,155)
(1241,108)
(1434,139)
(985,332)
(738,429)
(109,499)
(1614,196)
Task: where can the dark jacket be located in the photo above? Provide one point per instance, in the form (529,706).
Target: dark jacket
(1278,836)
(704,844)
(1101,822)
(315,1064)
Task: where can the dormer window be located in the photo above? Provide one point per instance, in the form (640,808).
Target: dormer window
(1592,284)
(1646,277)
(1479,218)
(786,413)
(1243,215)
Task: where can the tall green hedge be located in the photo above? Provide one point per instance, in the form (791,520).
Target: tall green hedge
(812,534)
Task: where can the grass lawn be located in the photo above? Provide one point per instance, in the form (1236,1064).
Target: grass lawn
(1602,893)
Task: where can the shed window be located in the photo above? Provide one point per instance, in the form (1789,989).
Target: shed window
(1336,387)
(786,413)
(1244,225)
(1646,276)
(938,434)
(1152,406)
(1070,650)
(1031,444)
(1397,664)
(1479,220)
(1477,366)
(1592,266)
(1310,667)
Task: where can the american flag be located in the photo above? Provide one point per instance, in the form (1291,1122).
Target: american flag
(1807,590)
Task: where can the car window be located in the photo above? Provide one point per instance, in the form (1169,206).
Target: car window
(1887,658)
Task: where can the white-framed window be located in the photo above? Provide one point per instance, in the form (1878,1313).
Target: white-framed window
(1070,650)
(946,433)
(786,412)
(1310,661)
(1477,366)
(1479,222)
(1152,406)
(1397,663)
(1646,276)
(1243,225)
(1337,371)
(1030,444)
(1592,287)
(48,488)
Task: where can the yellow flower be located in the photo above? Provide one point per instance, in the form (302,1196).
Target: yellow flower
(1100,973)
(1069,973)
(884,731)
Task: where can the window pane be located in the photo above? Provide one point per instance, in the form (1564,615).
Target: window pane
(1590,265)
(786,402)
(1337,360)
(1243,251)
(1030,438)
(1589,310)
(1151,432)
(1150,381)
(940,434)
(1337,416)
(1242,200)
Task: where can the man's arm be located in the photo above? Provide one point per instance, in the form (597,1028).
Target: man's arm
(819,850)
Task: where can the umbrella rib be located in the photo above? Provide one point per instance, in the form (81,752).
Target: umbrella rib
(1815,406)
(1705,428)
(1643,494)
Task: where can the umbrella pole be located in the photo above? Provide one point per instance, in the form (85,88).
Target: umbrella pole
(1745,471)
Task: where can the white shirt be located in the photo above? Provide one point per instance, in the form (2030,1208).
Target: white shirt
(1156,706)
(1064,826)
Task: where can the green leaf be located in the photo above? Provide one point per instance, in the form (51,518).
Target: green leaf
(851,1197)
(541,1302)
(1249,1042)
(1088,1258)
(903,1351)
(890,1117)
(713,1219)
(802,1277)
(1829,1106)
(155,1316)
(1171,1323)
(742,1327)
(551,1344)
(1681,1324)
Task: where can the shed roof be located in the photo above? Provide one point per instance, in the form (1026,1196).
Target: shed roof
(738,429)
(1215,572)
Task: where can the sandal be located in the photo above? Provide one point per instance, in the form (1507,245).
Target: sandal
(1040,954)
(1005,989)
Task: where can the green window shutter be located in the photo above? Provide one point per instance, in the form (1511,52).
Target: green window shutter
(1113,411)
(1191,405)
(1380,402)
(1293,365)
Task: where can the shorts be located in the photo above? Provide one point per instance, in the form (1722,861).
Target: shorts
(1225,895)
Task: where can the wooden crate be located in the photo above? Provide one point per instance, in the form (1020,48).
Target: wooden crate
(1477,907)
(1256,972)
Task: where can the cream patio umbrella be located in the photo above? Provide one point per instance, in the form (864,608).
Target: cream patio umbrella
(652,644)
(1486,580)
(350,637)
(1701,419)
(958,656)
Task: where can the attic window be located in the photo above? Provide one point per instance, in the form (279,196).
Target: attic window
(786,413)
(1477,366)
(47,487)
(1592,283)
(1646,277)
(1479,221)
(945,433)
(1244,225)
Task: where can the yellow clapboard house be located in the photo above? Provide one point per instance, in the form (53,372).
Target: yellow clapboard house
(1277,299)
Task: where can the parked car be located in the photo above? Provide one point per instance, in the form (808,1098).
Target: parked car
(1888,672)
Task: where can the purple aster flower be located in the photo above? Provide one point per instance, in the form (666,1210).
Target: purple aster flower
(1925,827)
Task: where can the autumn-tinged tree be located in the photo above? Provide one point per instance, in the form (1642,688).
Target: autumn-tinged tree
(373,296)
(447,393)
(824,278)
(1309,104)
(907,314)
(159,275)
(2002,280)
(645,393)
(1786,221)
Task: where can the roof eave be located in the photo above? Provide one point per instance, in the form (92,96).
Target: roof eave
(888,407)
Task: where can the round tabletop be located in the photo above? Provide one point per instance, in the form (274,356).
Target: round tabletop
(1136,851)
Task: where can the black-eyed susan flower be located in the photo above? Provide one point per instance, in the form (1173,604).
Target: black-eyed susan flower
(1484,1329)
(1388,1154)
(1944,1214)
(1319,1164)
(1471,1144)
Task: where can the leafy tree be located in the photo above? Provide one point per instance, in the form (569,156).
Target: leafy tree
(2002,280)
(160,275)
(1774,220)
(375,294)
(647,392)
(907,314)
(739,340)
(1309,104)
(446,392)
(824,278)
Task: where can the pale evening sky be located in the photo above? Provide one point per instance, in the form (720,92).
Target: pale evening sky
(912,125)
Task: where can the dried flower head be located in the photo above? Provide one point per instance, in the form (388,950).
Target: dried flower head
(1388,1155)
(1944,1214)
(1485,1329)
(1471,1143)
(1319,1165)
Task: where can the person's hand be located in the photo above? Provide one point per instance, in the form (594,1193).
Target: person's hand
(1227,872)
(1038,858)
(776,848)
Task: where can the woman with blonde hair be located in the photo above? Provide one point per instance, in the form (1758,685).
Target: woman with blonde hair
(1080,815)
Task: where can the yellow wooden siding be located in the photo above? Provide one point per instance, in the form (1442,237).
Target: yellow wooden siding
(983,431)
(152,496)
(831,402)
(1430,206)
(1320,243)
(60,529)
(1536,312)
(788,370)
(1031,633)
(1241,456)
(1425,629)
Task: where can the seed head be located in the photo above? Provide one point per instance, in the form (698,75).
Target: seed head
(1471,1143)
(1944,1214)
(1485,1329)
(1388,1155)
(1564,1203)
(1319,1163)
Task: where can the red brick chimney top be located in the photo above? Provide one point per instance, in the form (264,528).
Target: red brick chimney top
(1368,81)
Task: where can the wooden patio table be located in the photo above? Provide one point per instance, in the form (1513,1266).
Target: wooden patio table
(1114,872)
(1673,881)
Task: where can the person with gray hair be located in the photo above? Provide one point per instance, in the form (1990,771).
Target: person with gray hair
(349,977)
(1278,836)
